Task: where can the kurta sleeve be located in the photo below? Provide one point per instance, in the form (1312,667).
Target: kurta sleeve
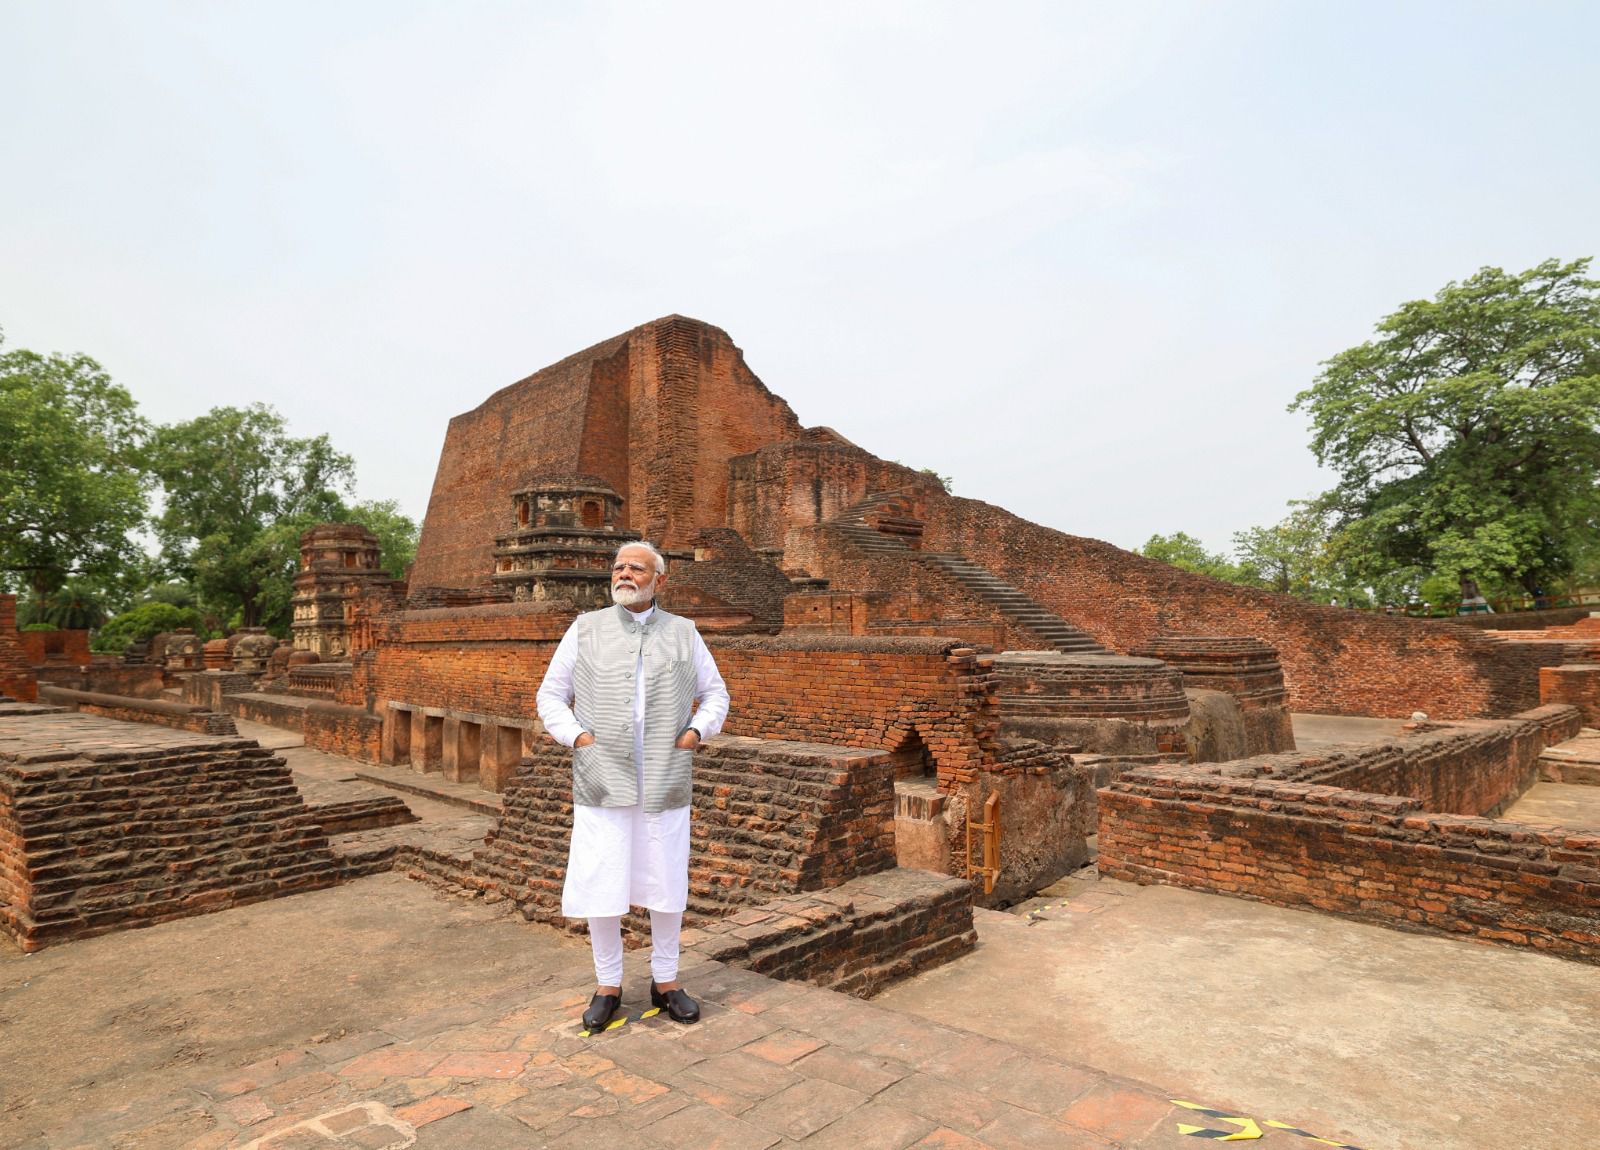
(710,690)
(555,692)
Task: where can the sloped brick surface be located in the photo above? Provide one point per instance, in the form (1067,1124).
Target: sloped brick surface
(105,826)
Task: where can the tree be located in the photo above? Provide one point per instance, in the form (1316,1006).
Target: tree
(1466,435)
(1181,549)
(143,623)
(1291,556)
(397,532)
(71,482)
(77,605)
(237,486)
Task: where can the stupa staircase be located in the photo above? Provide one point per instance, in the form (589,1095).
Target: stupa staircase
(882,524)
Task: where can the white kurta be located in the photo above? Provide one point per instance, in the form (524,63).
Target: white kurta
(621,856)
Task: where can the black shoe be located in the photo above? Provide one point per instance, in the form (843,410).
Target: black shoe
(601,1008)
(678,1005)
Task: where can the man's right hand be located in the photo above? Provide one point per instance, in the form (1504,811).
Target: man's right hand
(583,740)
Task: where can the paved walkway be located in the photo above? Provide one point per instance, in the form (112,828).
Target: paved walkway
(769,1064)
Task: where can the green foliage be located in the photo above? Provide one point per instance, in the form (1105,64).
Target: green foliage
(1441,592)
(1181,549)
(37,627)
(143,622)
(177,594)
(397,533)
(76,606)
(238,491)
(943,481)
(1466,436)
(71,482)
(1292,556)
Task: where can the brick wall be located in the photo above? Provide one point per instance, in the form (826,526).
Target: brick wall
(160,712)
(105,677)
(865,692)
(1577,684)
(857,692)
(656,413)
(884,614)
(1475,769)
(1334,660)
(17,679)
(922,598)
(730,572)
(69,647)
(207,688)
(488,660)
(1248,831)
(786,487)
(175,827)
(342,730)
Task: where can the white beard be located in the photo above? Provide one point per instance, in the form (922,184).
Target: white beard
(630,596)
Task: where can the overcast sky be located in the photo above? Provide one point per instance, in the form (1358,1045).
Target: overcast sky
(1078,257)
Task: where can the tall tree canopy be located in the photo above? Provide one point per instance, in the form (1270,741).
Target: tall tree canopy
(71,482)
(1290,556)
(238,490)
(1466,436)
(1183,550)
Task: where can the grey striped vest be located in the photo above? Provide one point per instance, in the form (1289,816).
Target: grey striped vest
(609,644)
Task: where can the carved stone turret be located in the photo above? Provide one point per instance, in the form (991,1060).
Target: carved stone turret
(216,654)
(254,648)
(561,548)
(336,561)
(185,651)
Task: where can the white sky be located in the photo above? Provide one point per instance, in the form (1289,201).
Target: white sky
(1079,257)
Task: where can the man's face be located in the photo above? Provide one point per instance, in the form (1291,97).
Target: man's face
(633,577)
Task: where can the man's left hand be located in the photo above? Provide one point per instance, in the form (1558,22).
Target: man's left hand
(687,741)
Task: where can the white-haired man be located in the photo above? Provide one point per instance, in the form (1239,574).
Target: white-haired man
(620,691)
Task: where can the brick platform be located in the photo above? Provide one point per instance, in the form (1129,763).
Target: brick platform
(770,818)
(105,826)
(1293,830)
(857,937)
(791,867)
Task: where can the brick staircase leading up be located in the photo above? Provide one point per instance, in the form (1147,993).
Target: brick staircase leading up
(881,524)
(1013,604)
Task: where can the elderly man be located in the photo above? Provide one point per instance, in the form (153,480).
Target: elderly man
(620,692)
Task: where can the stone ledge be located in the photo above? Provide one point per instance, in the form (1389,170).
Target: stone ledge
(857,937)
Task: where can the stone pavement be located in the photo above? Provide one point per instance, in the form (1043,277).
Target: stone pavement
(770,1064)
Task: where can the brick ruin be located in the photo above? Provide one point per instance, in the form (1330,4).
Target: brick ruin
(103,827)
(18,680)
(337,560)
(899,657)
(1401,833)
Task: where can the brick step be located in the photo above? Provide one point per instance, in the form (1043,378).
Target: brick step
(360,814)
(432,785)
(358,860)
(867,981)
(1013,603)
(978,581)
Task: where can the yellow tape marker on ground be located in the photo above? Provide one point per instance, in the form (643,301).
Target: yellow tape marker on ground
(1248,1130)
(623,1021)
(1307,1134)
